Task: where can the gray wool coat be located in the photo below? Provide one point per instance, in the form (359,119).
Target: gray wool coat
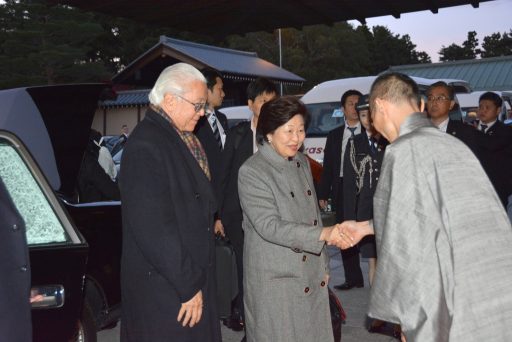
(285,265)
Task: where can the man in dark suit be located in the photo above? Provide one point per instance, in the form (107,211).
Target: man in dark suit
(496,143)
(168,261)
(211,131)
(15,315)
(331,183)
(240,145)
(440,101)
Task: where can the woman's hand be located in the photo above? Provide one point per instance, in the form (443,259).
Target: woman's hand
(351,232)
(331,235)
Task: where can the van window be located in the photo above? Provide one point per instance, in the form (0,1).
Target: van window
(322,120)
(42,223)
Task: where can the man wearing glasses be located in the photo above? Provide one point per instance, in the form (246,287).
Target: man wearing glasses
(167,265)
(440,101)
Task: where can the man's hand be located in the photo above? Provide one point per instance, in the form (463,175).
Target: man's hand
(323,204)
(351,232)
(218,228)
(192,310)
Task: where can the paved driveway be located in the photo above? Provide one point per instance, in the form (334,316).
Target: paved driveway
(354,302)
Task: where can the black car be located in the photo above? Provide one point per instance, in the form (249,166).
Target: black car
(75,247)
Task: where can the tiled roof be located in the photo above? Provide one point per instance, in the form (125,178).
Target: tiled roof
(231,63)
(483,74)
(128,98)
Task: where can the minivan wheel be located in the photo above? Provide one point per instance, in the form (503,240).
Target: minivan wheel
(87,326)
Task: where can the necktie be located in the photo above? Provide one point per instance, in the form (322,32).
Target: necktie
(215,129)
(352,130)
(373,145)
(483,127)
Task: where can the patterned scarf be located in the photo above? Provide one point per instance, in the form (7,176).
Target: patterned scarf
(189,138)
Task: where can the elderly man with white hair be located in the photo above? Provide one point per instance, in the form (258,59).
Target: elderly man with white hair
(167,272)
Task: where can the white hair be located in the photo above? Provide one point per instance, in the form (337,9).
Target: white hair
(173,79)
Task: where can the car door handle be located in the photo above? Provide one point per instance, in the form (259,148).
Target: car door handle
(47,296)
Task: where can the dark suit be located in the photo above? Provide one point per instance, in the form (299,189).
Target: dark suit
(15,315)
(231,212)
(168,242)
(204,133)
(331,186)
(496,147)
(465,133)
(358,205)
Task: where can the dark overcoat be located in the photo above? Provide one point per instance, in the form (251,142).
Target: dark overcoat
(15,315)
(496,158)
(168,242)
(204,133)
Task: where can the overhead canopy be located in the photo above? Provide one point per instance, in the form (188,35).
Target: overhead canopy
(233,64)
(223,17)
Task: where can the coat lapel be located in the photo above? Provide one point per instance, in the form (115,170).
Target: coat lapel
(203,184)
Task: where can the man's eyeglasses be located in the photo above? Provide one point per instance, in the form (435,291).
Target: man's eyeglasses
(197,106)
(433,98)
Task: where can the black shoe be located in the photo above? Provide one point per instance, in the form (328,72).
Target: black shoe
(235,324)
(397,332)
(347,286)
(244,339)
(376,327)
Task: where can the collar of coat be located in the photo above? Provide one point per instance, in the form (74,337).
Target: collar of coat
(413,122)
(268,152)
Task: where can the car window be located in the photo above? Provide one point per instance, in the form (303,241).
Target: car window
(234,122)
(42,223)
(323,119)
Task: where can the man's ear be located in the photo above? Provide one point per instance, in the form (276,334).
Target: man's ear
(168,102)
(498,111)
(452,103)
(422,105)
(379,104)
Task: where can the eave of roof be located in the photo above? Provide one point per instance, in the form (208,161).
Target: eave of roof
(231,63)
(128,98)
(219,18)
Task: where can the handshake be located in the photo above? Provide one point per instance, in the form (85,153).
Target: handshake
(346,234)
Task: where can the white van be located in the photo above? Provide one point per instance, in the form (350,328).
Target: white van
(323,102)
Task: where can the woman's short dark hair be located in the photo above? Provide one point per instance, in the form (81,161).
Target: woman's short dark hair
(276,113)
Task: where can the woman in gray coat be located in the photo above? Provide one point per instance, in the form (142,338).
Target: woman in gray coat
(285,262)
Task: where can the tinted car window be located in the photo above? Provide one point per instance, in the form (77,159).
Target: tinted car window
(42,224)
(322,120)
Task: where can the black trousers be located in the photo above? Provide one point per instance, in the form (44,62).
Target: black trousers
(349,256)
(235,234)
